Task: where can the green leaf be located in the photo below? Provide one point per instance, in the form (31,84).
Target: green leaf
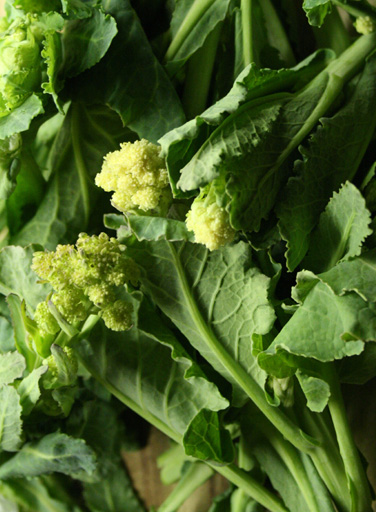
(20,118)
(159,228)
(86,41)
(16,276)
(21,335)
(357,275)
(10,419)
(216,299)
(65,397)
(52,54)
(112,491)
(197,446)
(29,390)
(328,161)
(325,326)
(10,149)
(12,366)
(71,198)
(65,373)
(180,145)
(6,335)
(341,230)
(135,363)
(315,389)
(38,6)
(317,10)
(130,80)
(33,495)
(53,453)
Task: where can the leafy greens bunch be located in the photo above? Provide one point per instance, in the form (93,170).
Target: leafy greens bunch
(235,309)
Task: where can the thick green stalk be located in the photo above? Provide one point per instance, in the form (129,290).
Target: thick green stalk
(244,481)
(199,75)
(197,474)
(326,457)
(199,7)
(353,8)
(247,40)
(357,479)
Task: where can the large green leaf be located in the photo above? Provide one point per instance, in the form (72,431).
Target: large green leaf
(341,230)
(53,453)
(217,300)
(130,80)
(71,198)
(32,493)
(328,161)
(20,118)
(29,389)
(326,326)
(10,419)
(12,366)
(317,10)
(86,41)
(150,371)
(181,144)
(16,276)
(112,492)
(357,274)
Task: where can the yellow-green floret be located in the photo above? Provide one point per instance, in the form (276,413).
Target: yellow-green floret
(138,177)
(365,25)
(86,278)
(209,221)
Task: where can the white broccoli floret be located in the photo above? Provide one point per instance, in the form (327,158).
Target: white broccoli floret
(138,177)
(209,221)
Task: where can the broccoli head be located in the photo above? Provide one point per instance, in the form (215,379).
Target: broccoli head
(138,177)
(86,278)
(209,221)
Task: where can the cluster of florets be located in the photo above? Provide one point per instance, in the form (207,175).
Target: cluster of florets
(365,25)
(209,221)
(85,278)
(138,176)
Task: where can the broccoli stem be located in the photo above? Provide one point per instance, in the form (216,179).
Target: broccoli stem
(197,474)
(327,459)
(246,16)
(199,7)
(199,74)
(357,479)
(356,8)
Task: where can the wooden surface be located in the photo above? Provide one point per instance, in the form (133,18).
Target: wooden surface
(144,473)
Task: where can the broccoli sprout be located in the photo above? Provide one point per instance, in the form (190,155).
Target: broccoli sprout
(209,221)
(138,177)
(86,278)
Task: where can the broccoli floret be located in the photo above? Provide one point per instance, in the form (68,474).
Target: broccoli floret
(209,221)
(138,176)
(46,321)
(364,25)
(118,316)
(86,278)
